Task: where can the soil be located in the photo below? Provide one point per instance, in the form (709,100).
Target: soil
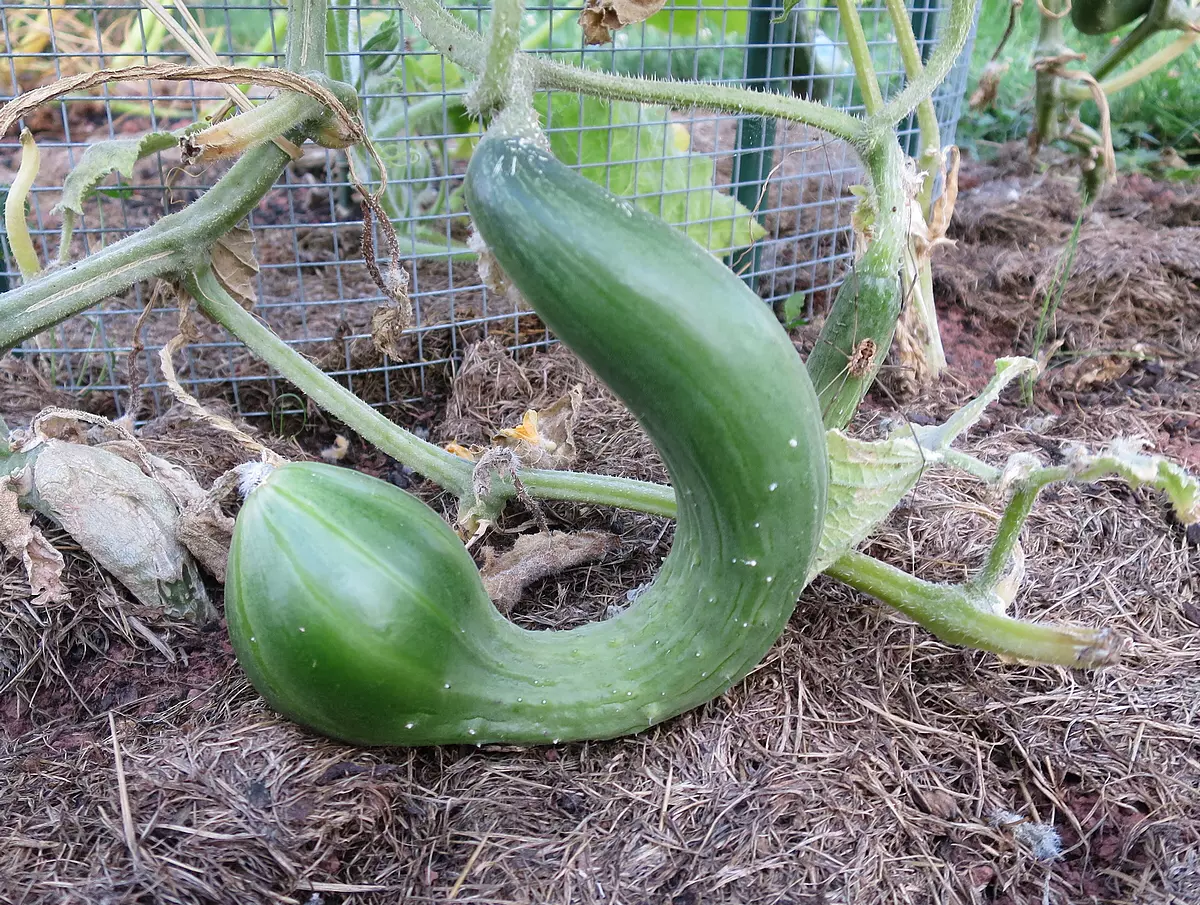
(863,761)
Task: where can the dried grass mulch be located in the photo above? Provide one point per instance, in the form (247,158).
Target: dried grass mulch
(1135,284)
(861,762)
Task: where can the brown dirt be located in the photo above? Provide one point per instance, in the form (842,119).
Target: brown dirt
(861,762)
(1135,284)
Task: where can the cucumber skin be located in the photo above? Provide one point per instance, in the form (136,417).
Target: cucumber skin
(867,306)
(1099,17)
(401,645)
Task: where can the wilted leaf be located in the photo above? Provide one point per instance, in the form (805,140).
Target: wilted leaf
(207,534)
(125,520)
(43,564)
(461,451)
(868,479)
(203,529)
(104,157)
(536,556)
(546,439)
(600,18)
(388,323)
(337,450)
(235,266)
(1125,459)
(988,88)
(1096,369)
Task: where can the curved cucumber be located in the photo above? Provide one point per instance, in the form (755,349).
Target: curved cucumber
(1099,17)
(356,610)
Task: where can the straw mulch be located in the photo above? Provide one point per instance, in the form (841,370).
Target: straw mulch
(862,762)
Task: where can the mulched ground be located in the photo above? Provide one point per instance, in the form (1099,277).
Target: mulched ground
(862,762)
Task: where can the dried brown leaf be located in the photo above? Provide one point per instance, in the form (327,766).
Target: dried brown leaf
(18,535)
(207,534)
(125,520)
(235,265)
(1096,370)
(546,439)
(600,18)
(388,324)
(536,556)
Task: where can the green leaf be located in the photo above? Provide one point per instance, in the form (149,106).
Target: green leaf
(106,157)
(383,49)
(633,151)
(794,307)
(718,16)
(866,481)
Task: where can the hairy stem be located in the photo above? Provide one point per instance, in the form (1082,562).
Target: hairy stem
(926,345)
(468,49)
(950,613)
(495,86)
(305,51)
(439,466)
(1152,63)
(1048,85)
(178,242)
(169,246)
(860,54)
(1009,531)
(931,139)
(954,37)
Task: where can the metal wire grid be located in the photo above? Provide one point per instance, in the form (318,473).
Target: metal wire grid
(312,287)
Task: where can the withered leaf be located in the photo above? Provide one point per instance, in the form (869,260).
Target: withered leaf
(235,266)
(125,520)
(388,324)
(1096,370)
(43,564)
(546,439)
(536,556)
(600,18)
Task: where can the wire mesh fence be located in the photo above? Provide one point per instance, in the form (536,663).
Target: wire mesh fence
(771,197)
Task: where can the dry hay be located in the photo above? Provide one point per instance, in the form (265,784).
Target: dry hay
(1135,280)
(861,762)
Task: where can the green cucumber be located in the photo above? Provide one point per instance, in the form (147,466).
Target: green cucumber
(856,335)
(1099,17)
(356,611)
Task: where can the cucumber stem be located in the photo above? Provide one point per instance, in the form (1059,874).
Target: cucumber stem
(1164,15)
(860,54)
(444,468)
(495,87)
(1009,531)
(468,49)
(959,22)
(1153,63)
(178,242)
(951,613)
